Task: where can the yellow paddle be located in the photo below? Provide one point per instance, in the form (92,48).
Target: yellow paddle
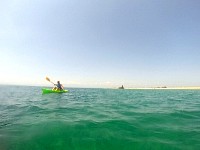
(49,80)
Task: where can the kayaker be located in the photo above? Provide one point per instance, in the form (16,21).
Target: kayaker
(58,86)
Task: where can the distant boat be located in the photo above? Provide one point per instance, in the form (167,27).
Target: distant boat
(122,87)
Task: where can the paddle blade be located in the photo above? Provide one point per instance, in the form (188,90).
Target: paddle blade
(47,79)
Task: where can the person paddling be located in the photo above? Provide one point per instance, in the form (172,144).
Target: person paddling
(58,86)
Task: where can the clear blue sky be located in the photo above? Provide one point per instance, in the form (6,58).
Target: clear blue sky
(100,43)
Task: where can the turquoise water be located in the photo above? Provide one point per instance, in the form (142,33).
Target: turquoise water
(99,119)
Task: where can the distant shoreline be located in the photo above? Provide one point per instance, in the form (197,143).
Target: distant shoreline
(167,88)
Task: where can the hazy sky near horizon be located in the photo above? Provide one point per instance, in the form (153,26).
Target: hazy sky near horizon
(100,43)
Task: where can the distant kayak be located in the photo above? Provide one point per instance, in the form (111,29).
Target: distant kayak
(45,91)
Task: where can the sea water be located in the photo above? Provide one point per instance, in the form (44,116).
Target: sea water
(99,119)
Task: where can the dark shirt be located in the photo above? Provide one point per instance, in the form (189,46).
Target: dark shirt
(59,86)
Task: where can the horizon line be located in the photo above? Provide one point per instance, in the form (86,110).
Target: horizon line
(128,88)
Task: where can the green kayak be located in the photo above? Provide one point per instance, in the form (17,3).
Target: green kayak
(45,91)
